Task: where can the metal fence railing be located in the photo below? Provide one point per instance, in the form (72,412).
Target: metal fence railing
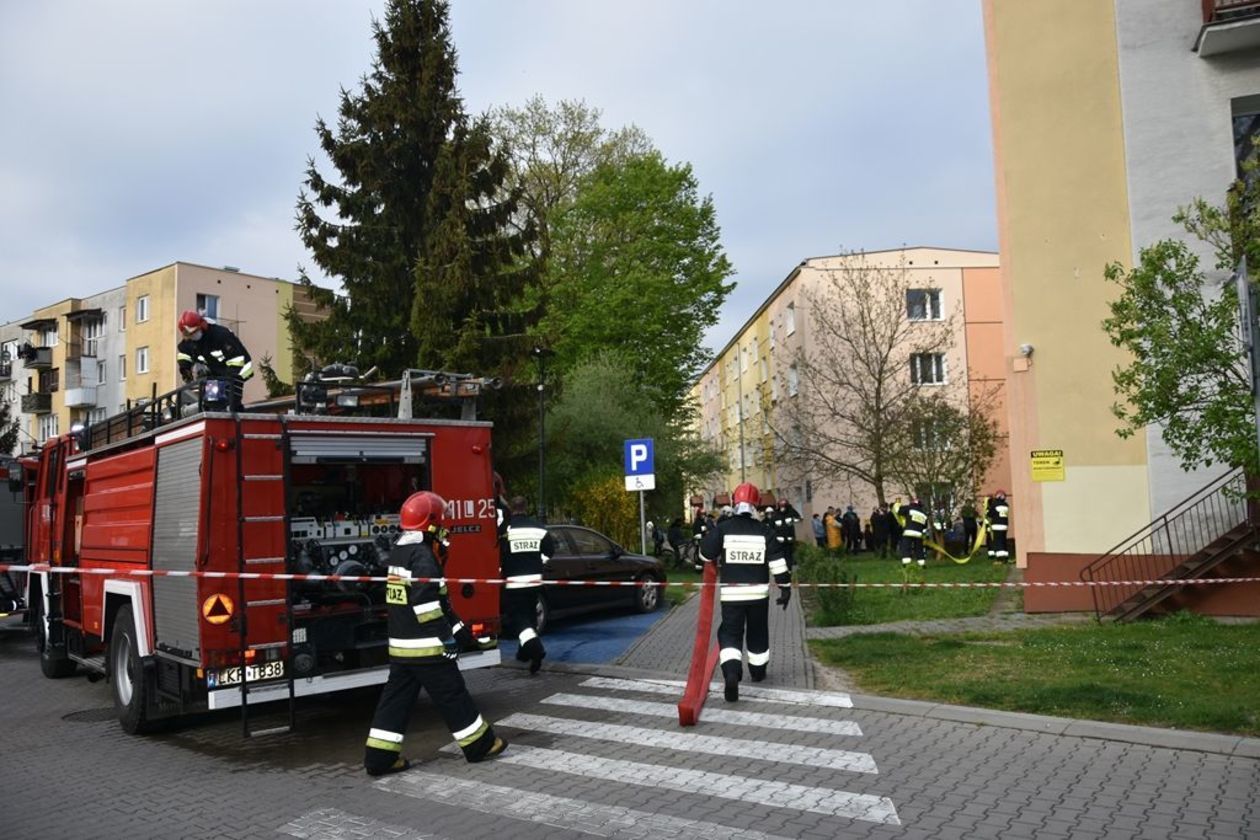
(1159,548)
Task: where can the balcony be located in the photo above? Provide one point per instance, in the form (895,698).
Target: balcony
(1228,26)
(6,370)
(37,403)
(85,349)
(38,357)
(81,387)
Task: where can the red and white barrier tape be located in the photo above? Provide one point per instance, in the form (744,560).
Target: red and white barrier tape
(110,572)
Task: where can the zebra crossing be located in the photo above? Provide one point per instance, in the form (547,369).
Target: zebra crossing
(594,759)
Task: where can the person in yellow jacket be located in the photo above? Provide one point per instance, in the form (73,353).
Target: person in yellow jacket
(832,523)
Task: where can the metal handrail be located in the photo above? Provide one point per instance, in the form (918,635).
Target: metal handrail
(1158,548)
(1215,11)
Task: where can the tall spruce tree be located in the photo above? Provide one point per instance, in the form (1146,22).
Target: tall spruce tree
(418,235)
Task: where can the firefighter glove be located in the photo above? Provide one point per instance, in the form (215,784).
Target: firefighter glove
(785,595)
(450,649)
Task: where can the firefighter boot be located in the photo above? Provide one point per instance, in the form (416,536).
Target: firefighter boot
(732,672)
(533,653)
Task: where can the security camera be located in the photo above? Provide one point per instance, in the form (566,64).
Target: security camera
(1025,350)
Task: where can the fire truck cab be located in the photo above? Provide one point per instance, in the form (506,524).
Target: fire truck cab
(166,491)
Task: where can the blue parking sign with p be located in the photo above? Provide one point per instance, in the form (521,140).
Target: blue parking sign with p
(639,457)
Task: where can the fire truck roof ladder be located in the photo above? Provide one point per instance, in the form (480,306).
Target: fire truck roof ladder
(257,485)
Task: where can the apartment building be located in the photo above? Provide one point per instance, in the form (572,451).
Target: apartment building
(1108,115)
(96,354)
(753,378)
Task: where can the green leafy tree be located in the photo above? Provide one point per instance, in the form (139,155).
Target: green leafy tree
(637,262)
(949,445)
(1188,371)
(603,405)
(8,429)
(418,230)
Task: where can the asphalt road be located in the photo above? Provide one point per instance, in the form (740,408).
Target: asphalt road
(593,638)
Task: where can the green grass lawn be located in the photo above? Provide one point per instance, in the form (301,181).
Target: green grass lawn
(1185,672)
(877,606)
(675,595)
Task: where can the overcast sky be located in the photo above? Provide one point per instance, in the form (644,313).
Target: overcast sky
(137,133)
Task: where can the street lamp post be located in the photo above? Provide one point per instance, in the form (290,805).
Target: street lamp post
(541,354)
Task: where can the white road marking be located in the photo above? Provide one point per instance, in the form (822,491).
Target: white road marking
(835,803)
(855,762)
(833,699)
(558,811)
(332,824)
(709,715)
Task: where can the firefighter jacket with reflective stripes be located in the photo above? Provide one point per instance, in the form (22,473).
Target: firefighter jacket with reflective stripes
(913,519)
(525,545)
(700,527)
(784,520)
(219,350)
(998,514)
(422,625)
(747,555)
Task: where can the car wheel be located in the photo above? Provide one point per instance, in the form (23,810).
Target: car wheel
(542,613)
(126,675)
(53,664)
(646,598)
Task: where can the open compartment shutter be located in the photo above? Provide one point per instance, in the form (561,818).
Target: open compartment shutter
(359,447)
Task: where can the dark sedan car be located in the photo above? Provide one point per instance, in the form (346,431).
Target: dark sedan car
(583,554)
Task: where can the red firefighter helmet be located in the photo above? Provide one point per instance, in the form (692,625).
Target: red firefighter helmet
(747,493)
(1001,494)
(423,511)
(190,322)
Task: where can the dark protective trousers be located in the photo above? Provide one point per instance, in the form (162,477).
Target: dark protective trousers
(789,553)
(446,689)
(999,551)
(750,621)
(522,615)
(912,548)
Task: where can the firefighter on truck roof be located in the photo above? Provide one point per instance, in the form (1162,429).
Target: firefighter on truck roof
(747,554)
(217,348)
(422,646)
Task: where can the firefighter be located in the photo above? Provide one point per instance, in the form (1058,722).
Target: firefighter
(526,546)
(422,646)
(216,348)
(998,515)
(700,526)
(747,555)
(914,522)
(784,521)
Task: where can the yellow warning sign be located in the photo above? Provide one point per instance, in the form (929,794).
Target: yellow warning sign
(217,609)
(1047,465)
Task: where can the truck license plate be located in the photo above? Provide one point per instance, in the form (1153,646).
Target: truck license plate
(253,673)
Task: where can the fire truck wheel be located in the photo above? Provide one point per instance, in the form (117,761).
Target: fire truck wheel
(646,598)
(542,613)
(126,675)
(54,664)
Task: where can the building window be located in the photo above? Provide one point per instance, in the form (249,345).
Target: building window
(100,372)
(809,491)
(122,368)
(789,318)
(142,360)
(122,319)
(48,426)
(48,336)
(743,360)
(142,309)
(765,370)
(208,305)
(1246,114)
(772,336)
(49,380)
(93,328)
(96,415)
(927,368)
(793,382)
(929,435)
(923,304)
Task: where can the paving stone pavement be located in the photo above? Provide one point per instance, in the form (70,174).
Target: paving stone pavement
(667,647)
(590,755)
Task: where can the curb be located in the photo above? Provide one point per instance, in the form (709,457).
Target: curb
(1236,746)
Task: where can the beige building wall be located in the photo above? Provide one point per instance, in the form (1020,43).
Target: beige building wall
(1063,214)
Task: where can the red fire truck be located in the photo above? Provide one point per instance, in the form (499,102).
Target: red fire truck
(310,485)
